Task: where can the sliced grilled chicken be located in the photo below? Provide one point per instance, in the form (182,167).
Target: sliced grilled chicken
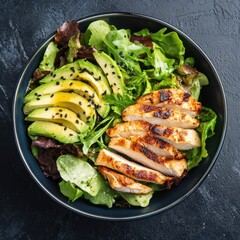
(141,154)
(122,183)
(157,145)
(127,129)
(174,98)
(159,115)
(182,139)
(131,169)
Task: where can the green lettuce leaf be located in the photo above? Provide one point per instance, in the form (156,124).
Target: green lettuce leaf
(170,43)
(141,200)
(95,34)
(47,64)
(80,173)
(69,190)
(73,46)
(205,129)
(124,52)
(106,196)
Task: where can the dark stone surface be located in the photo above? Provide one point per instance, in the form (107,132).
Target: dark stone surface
(212,212)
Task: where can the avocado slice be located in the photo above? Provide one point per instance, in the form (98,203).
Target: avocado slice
(53,130)
(72,71)
(78,104)
(78,87)
(65,72)
(111,70)
(63,116)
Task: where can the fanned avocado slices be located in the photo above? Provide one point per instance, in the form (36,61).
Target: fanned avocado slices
(62,116)
(78,104)
(75,86)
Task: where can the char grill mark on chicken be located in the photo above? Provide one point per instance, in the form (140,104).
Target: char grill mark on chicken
(159,115)
(131,169)
(139,153)
(174,98)
(122,183)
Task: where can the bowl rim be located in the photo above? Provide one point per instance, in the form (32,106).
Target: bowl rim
(144,215)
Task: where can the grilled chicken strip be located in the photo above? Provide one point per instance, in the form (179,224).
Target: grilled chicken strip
(157,145)
(159,115)
(182,139)
(133,170)
(127,129)
(122,183)
(174,98)
(141,154)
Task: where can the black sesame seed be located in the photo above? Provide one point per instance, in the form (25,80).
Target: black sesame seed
(84,112)
(61,115)
(106,74)
(57,83)
(105,65)
(77,121)
(104,92)
(65,128)
(71,75)
(54,75)
(65,115)
(112,66)
(86,91)
(80,103)
(89,105)
(38,98)
(46,64)
(72,69)
(60,110)
(52,95)
(114,84)
(71,83)
(57,113)
(78,115)
(119,77)
(36,94)
(70,134)
(46,109)
(113,73)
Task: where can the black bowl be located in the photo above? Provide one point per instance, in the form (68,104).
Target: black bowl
(211,96)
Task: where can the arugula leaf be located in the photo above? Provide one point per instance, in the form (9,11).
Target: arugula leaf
(93,137)
(69,190)
(206,128)
(118,102)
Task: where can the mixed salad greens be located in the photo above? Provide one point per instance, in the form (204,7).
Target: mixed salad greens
(140,62)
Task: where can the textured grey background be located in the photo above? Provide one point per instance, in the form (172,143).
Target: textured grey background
(211,212)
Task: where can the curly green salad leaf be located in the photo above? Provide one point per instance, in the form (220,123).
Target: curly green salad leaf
(208,119)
